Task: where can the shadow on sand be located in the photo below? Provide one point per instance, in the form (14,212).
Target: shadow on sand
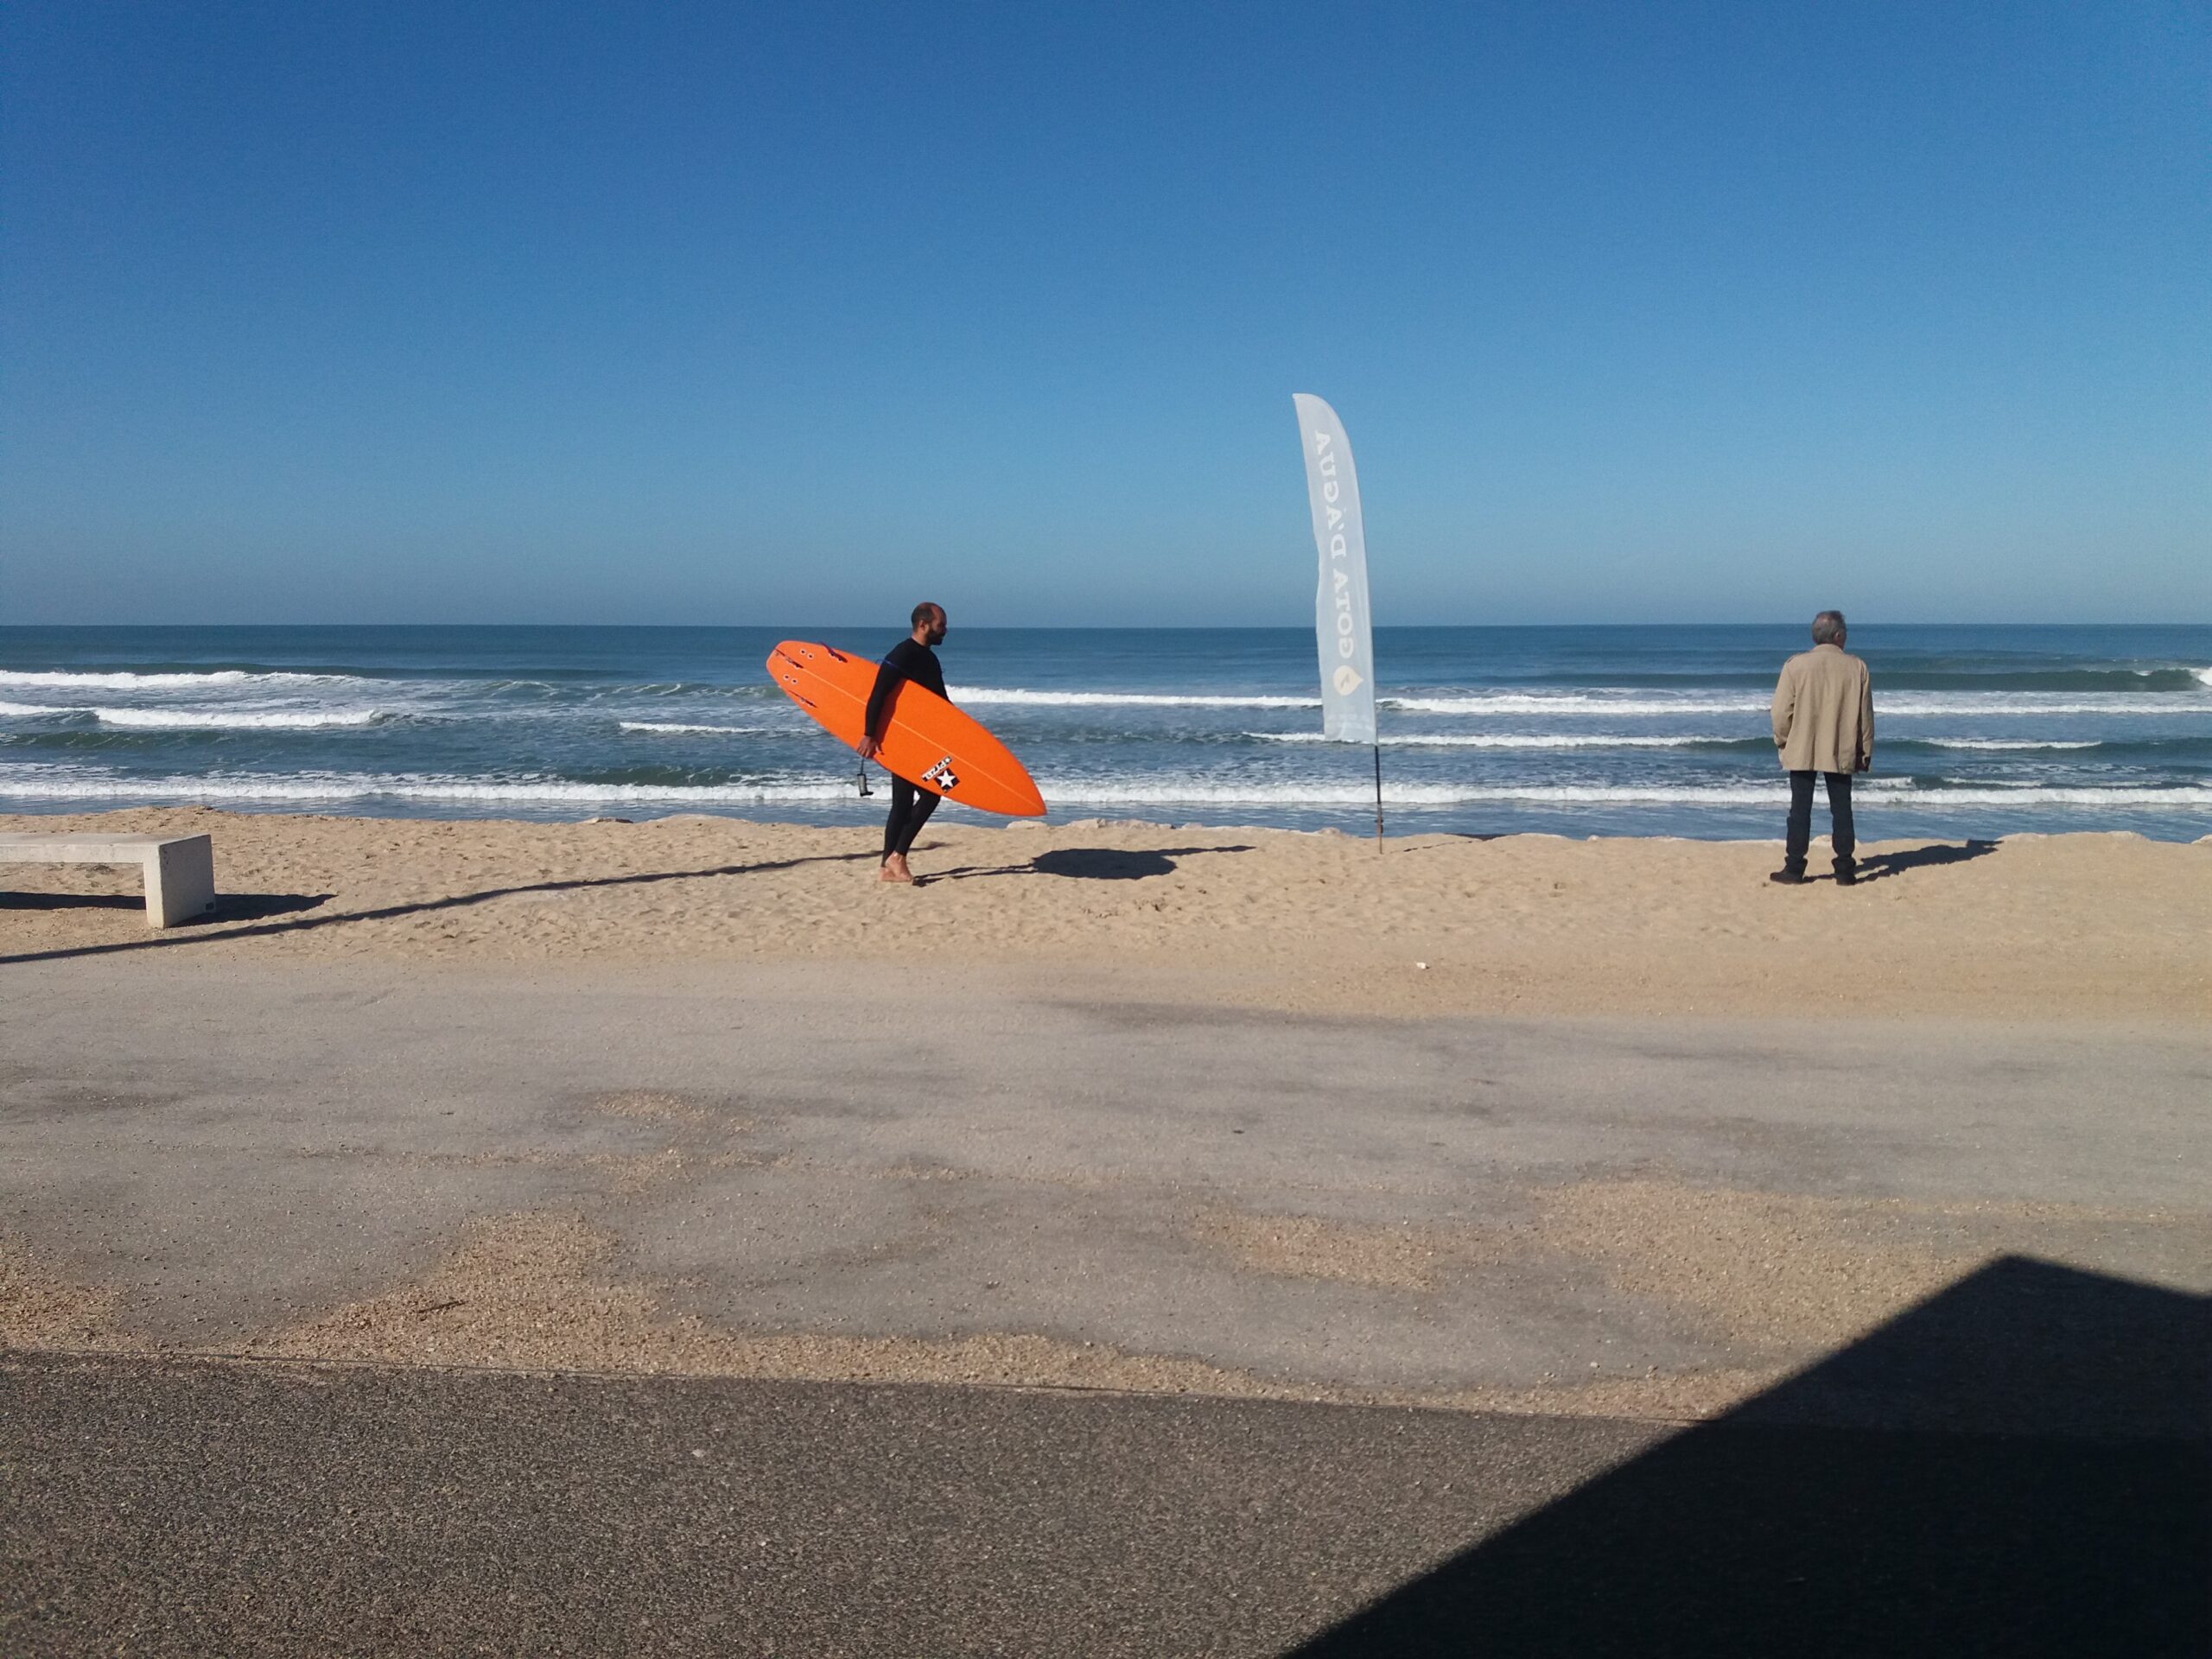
(1086,864)
(250,906)
(2017,1465)
(71,902)
(1880,866)
(231,907)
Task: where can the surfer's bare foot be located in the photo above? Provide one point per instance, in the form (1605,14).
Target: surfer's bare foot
(894,869)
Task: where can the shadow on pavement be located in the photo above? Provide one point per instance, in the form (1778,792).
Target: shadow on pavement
(2017,1465)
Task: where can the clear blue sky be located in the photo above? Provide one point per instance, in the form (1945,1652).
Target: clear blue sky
(535,312)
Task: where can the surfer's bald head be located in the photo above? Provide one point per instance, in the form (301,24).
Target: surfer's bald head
(926,612)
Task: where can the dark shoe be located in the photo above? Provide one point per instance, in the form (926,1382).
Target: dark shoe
(1847,875)
(1788,878)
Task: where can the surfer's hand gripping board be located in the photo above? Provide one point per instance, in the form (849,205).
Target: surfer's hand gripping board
(924,738)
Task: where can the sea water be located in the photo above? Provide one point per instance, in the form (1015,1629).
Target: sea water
(1578,731)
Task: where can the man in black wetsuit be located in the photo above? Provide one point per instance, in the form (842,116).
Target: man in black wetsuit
(910,659)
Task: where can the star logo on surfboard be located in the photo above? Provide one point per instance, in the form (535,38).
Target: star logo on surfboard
(1347,680)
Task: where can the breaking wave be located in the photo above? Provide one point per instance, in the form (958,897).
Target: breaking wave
(985,695)
(2002,743)
(201,719)
(669,726)
(1522,703)
(1168,792)
(238,720)
(1971,705)
(124,680)
(339,787)
(332,788)
(1578,704)
(1518,741)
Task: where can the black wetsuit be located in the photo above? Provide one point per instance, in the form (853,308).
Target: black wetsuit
(909,659)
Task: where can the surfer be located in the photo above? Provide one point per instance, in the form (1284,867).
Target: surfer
(1824,723)
(912,658)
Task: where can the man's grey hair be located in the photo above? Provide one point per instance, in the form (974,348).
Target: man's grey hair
(1827,627)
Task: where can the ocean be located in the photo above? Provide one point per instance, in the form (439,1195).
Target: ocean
(1576,731)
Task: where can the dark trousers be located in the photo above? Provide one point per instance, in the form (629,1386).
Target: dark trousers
(910,811)
(1799,837)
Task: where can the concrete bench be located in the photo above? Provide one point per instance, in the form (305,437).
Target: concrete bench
(179,869)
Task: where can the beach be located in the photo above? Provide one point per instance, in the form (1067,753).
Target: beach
(2033,928)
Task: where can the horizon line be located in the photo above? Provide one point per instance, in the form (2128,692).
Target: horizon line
(1069,627)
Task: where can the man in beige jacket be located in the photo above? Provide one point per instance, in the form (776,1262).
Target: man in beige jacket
(1824,723)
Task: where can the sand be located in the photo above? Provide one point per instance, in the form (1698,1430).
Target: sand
(2101,927)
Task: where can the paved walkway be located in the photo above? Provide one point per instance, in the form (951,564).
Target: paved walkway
(1424,1208)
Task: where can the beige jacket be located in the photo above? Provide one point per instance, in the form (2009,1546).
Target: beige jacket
(1824,712)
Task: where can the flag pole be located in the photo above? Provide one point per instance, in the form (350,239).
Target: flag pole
(1378,794)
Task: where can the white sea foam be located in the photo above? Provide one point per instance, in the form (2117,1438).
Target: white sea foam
(1173,791)
(2001,743)
(222,719)
(305,788)
(1572,703)
(1191,792)
(1581,704)
(57,783)
(2122,797)
(985,695)
(669,726)
(1978,704)
(122,680)
(1497,703)
(1507,741)
(225,719)
(2203,674)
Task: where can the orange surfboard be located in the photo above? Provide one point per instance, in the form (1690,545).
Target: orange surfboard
(925,740)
